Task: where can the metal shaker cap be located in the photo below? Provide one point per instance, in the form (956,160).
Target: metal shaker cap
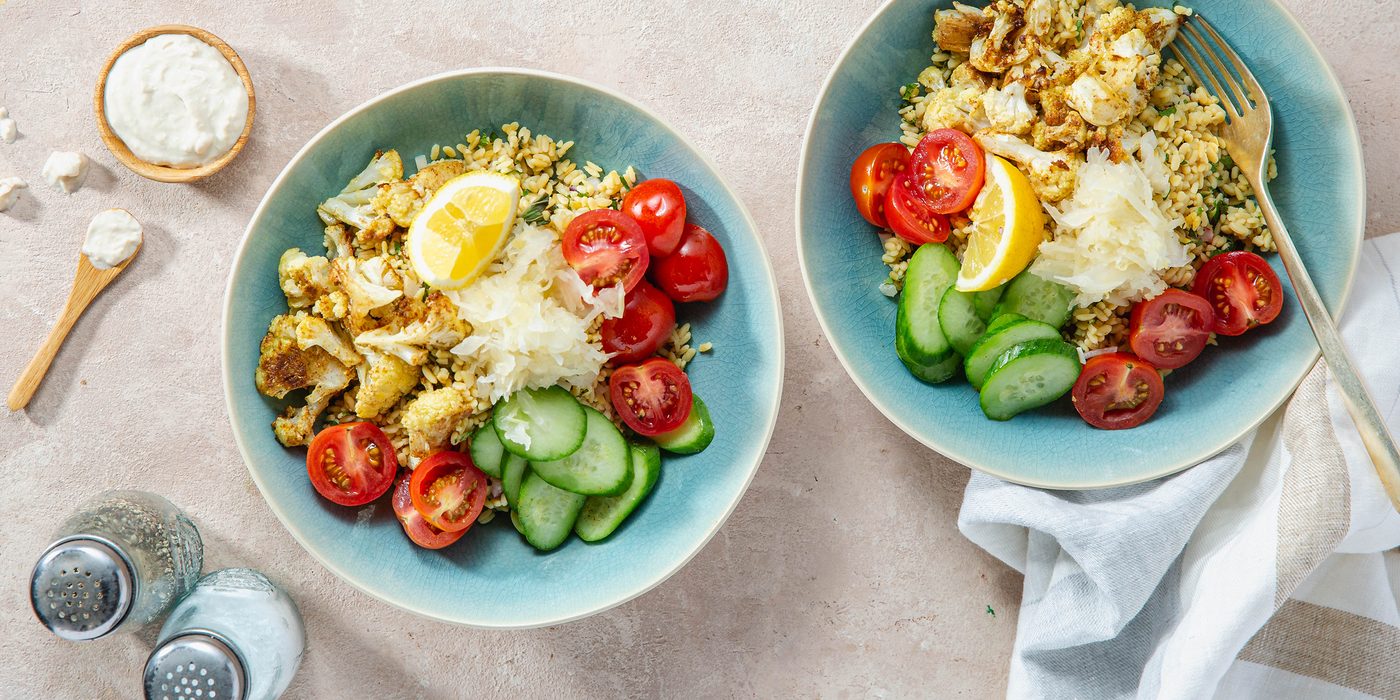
(82,587)
(196,665)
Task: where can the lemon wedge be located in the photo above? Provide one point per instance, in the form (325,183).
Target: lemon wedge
(460,230)
(1007,228)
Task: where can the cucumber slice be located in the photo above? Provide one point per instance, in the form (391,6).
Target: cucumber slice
(940,372)
(1029,375)
(487,451)
(986,301)
(601,467)
(601,515)
(1037,299)
(917,337)
(546,513)
(994,343)
(541,425)
(694,435)
(512,473)
(1004,320)
(957,316)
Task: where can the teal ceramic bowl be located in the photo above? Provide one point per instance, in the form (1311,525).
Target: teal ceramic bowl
(492,578)
(1210,403)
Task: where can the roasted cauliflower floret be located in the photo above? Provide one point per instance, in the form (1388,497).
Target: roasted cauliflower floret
(284,366)
(370,284)
(333,306)
(429,179)
(1052,175)
(1008,110)
(435,325)
(371,225)
(337,241)
(303,279)
(431,418)
(1118,68)
(399,201)
(951,108)
(955,29)
(384,379)
(1004,44)
(313,332)
(386,166)
(1061,128)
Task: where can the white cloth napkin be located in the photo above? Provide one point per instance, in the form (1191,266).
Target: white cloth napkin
(1264,572)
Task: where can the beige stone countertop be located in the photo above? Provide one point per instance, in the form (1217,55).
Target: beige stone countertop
(840,575)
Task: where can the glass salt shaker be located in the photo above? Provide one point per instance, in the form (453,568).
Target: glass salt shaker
(236,636)
(116,565)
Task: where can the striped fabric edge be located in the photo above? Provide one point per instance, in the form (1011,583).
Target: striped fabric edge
(1331,645)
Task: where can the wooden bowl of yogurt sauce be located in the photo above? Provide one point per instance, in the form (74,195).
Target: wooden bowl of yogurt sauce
(195,167)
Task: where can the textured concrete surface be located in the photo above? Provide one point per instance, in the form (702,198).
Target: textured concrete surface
(840,575)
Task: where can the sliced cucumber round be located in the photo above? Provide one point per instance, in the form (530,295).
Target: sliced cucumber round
(487,451)
(918,338)
(938,373)
(1037,299)
(541,425)
(957,316)
(694,435)
(602,466)
(994,343)
(1004,320)
(1029,375)
(602,514)
(546,513)
(986,301)
(513,472)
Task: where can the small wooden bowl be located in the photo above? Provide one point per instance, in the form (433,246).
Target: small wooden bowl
(165,173)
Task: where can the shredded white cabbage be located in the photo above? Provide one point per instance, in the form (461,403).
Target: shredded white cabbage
(1112,238)
(530,315)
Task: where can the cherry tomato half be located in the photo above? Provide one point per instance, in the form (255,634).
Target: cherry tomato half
(947,169)
(871,176)
(1170,329)
(351,463)
(415,525)
(657,206)
(449,491)
(1242,289)
(652,397)
(646,321)
(1117,391)
(911,219)
(606,247)
(697,271)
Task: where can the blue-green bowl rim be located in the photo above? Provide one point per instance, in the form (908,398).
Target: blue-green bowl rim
(969,461)
(751,227)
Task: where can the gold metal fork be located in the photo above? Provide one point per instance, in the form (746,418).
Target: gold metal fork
(1247,138)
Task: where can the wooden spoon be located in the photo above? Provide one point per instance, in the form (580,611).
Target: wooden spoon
(86,285)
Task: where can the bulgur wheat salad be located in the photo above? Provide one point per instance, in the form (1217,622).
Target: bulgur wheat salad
(1061,213)
(488,325)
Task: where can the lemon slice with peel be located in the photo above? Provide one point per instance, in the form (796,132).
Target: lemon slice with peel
(1007,228)
(460,230)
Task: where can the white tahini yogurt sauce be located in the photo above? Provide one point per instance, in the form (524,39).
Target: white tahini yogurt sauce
(9,191)
(8,130)
(112,237)
(175,100)
(66,170)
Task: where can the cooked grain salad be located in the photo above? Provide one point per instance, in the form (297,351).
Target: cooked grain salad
(1207,193)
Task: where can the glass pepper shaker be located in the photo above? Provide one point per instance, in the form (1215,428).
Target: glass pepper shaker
(116,565)
(236,636)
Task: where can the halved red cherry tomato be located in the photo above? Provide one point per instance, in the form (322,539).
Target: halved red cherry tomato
(697,271)
(449,491)
(351,463)
(871,176)
(1117,391)
(947,168)
(911,219)
(1242,289)
(652,397)
(1170,329)
(415,525)
(657,206)
(646,321)
(606,247)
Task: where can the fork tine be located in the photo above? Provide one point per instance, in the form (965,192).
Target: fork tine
(1181,42)
(1240,98)
(1256,91)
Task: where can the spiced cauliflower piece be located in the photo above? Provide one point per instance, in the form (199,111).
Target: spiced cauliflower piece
(1052,174)
(384,379)
(955,29)
(951,108)
(284,366)
(401,201)
(314,332)
(303,279)
(386,166)
(1008,110)
(369,284)
(431,418)
(434,324)
(337,241)
(1117,70)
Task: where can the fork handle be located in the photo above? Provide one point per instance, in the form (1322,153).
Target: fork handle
(1369,422)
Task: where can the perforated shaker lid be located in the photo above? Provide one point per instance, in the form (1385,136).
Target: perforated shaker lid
(82,587)
(196,665)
